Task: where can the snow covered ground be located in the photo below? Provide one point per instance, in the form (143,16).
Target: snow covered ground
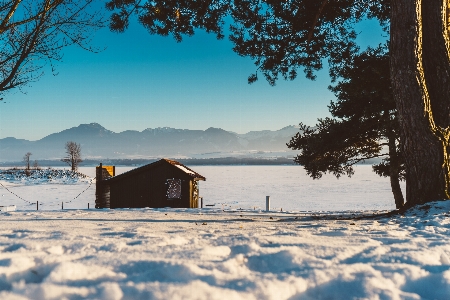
(244,187)
(228,253)
(48,187)
(231,254)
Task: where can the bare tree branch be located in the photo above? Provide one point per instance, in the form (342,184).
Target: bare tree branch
(33,34)
(26,160)
(73,158)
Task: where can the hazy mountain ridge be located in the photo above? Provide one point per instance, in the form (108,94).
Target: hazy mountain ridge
(99,142)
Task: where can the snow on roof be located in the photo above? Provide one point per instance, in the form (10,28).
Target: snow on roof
(180,166)
(185,169)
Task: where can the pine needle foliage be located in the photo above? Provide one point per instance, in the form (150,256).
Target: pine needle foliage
(364,123)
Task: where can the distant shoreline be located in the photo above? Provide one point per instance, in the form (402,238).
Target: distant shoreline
(225,161)
(222,161)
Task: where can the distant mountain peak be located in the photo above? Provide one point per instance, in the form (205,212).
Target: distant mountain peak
(214,129)
(290,127)
(161,130)
(91,126)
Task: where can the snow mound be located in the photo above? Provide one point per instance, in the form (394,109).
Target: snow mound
(429,210)
(42,176)
(225,254)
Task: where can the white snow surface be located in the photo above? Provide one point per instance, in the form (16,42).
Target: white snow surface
(230,254)
(42,176)
(231,187)
(224,252)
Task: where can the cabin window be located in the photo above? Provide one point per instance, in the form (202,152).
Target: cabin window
(173,188)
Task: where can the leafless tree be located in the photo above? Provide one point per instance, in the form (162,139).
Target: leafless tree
(36,165)
(26,160)
(33,33)
(73,158)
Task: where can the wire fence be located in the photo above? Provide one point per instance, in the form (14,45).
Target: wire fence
(16,194)
(52,203)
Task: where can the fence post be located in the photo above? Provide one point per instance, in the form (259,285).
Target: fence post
(201,202)
(88,205)
(267,203)
(37,205)
(62,205)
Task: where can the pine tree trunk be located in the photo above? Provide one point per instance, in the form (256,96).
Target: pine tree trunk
(423,152)
(396,190)
(394,170)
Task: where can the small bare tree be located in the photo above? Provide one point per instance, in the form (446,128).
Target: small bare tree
(73,158)
(26,160)
(36,165)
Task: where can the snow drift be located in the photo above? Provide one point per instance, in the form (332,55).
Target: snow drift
(231,254)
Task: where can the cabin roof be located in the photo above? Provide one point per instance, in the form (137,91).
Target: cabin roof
(194,175)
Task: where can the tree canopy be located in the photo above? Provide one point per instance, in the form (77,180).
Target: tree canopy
(280,36)
(364,124)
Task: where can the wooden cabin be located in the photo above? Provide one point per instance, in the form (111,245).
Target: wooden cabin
(164,183)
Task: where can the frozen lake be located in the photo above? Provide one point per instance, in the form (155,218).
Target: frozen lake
(234,187)
(290,188)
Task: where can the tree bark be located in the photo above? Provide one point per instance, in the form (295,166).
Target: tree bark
(423,151)
(393,175)
(394,169)
(396,190)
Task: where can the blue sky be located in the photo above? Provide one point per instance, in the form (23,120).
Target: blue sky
(142,81)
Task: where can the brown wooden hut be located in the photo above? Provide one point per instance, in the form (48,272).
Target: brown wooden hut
(165,183)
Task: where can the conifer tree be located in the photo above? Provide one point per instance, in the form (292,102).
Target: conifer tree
(364,124)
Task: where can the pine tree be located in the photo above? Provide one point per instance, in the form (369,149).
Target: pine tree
(364,124)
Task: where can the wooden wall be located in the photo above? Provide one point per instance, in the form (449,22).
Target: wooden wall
(102,192)
(148,189)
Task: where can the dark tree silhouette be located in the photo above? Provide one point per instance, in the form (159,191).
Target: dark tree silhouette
(283,36)
(364,125)
(34,32)
(26,160)
(73,158)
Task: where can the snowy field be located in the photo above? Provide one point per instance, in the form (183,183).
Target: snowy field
(215,254)
(230,187)
(318,247)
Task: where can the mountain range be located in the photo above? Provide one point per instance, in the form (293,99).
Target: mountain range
(98,142)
